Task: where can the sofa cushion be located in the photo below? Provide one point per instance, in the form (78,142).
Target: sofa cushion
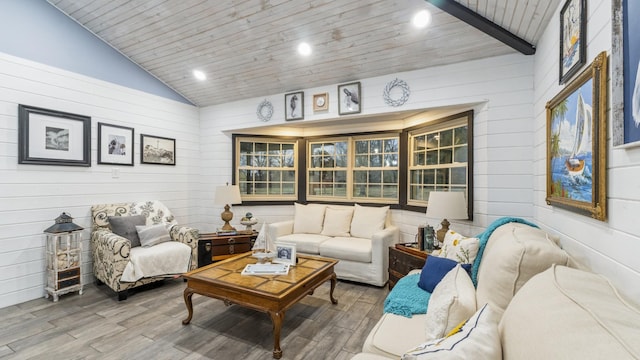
(434,269)
(368,220)
(153,234)
(347,248)
(394,334)
(452,301)
(570,314)
(305,243)
(459,247)
(337,222)
(478,338)
(513,254)
(125,226)
(308,219)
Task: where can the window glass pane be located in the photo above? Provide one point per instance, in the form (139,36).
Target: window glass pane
(341,148)
(432,157)
(415,176)
(375,176)
(274,161)
(360,176)
(419,143)
(261,148)
(288,175)
(391,160)
(314,189)
(260,188)
(433,141)
(446,156)
(391,145)
(314,176)
(341,176)
(288,158)
(341,161)
(460,154)
(360,190)
(275,175)
(419,159)
(442,176)
(316,161)
(327,190)
(390,191)
(274,189)
(375,191)
(362,147)
(460,135)
(274,149)
(288,189)
(390,176)
(459,176)
(430,176)
(446,137)
(376,161)
(362,160)
(316,149)
(340,190)
(375,146)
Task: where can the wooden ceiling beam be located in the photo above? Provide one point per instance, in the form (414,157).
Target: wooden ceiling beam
(490,28)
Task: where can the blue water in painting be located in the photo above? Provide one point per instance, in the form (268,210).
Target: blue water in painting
(577,187)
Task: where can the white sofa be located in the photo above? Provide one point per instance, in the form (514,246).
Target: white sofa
(538,307)
(358,236)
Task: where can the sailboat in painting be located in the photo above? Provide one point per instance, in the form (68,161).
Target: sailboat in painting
(582,139)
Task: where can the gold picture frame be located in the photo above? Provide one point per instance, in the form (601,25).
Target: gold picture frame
(577,143)
(321,102)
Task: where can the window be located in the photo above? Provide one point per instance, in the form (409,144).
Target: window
(438,159)
(363,168)
(266,168)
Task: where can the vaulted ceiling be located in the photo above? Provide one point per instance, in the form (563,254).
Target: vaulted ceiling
(248,48)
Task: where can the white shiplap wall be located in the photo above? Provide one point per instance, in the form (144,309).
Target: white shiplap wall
(500,88)
(32,196)
(610,248)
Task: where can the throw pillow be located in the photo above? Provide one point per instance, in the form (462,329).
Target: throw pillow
(452,301)
(308,219)
(153,235)
(368,220)
(125,226)
(459,248)
(337,222)
(477,338)
(434,269)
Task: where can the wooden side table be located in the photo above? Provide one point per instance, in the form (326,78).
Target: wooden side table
(213,247)
(403,259)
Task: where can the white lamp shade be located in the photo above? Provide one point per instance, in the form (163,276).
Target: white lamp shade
(447,205)
(227,195)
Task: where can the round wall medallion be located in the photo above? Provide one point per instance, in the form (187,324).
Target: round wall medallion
(265,110)
(396,84)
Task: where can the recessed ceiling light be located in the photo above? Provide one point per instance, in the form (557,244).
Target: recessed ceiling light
(421,19)
(199,75)
(304,49)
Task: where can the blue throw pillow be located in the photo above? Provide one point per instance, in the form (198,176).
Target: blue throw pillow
(435,268)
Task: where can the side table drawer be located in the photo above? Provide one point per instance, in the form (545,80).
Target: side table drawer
(231,249)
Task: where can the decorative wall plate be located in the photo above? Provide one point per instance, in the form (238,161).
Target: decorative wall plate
(265,110)
(391,86)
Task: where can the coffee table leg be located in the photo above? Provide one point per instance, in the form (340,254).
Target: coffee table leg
(276,318)
(333,286)
(187,301)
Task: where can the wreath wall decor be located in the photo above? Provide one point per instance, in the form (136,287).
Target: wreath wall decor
(400,84)
(265,110)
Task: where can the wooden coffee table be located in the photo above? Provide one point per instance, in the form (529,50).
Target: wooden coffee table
(273,294)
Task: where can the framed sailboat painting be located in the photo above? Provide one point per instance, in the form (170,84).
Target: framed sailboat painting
(577,143)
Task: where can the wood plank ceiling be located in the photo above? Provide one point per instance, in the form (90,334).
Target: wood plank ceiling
(248,48)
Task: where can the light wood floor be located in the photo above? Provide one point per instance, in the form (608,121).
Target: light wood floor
(148,325)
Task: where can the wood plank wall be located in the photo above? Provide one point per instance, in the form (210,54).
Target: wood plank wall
(32,196)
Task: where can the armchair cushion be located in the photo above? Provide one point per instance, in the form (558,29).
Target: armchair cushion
(167,258)
(153,235)
(125,226)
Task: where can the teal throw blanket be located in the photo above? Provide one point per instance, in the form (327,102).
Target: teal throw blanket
(407,298)
(484,237)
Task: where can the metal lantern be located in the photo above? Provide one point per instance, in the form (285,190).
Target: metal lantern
(64,257)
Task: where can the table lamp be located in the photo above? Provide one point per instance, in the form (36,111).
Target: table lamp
(446,205)
(227,195)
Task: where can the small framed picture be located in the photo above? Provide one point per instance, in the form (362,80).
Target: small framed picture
(49,137)
(321,102)
(285,253)
(157,150)
(115,145)
(350,99)
(294,106)
(573,40)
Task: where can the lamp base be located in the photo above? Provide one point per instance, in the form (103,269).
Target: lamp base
(226,216)
(442,231)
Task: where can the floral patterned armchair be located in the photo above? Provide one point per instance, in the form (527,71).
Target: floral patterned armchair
(111,252)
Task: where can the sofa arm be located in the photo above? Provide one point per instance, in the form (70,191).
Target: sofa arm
(275,230)
(380,243)
(188,236)
(110,257)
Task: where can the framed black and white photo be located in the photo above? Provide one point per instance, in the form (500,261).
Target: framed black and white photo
(294,106)
(350,99)
(573,44)
(285,253)
(157,150)
(115,145)
(49,137)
